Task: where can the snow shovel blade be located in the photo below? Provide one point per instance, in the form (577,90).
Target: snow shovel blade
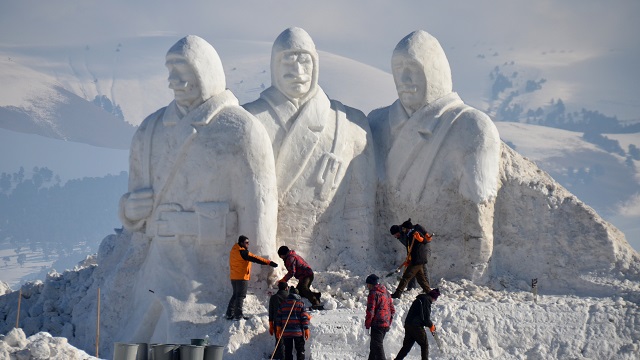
(435,336)
(393,272)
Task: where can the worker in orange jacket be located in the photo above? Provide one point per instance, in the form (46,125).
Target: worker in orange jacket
(417,255)
(240,260)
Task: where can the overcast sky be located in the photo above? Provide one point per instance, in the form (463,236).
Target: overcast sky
(363,29)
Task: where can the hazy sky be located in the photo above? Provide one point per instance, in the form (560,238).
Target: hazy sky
(366,30)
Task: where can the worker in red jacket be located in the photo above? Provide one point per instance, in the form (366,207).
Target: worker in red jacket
(297,267)
(240,260)
(379,316)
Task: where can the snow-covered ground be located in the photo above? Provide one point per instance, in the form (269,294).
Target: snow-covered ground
(473,322)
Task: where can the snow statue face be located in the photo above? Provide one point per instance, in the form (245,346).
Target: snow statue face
(195,71)
(294,64)
(294,74)
(411,83)
(420,70)
(183,82)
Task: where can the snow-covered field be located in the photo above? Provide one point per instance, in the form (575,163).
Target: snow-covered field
(473,322)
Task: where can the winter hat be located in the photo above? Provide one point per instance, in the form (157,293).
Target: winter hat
(434,293)
(407,224)
(372,279)
(394,229)
(283,250)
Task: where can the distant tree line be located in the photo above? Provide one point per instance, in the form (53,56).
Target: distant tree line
(39,214)
(505,89)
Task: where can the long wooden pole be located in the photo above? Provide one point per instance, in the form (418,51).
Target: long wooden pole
(98,325)
(19,301)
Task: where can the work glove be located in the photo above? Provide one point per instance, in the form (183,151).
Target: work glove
(433,328)
(307,333)
(273,264)
(270,327)
(278,332)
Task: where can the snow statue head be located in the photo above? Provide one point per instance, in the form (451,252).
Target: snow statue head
(195,71)
(420,70)
(294,64)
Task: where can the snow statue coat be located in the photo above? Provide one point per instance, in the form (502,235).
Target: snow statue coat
(439,161)
(211,175)
(324,160)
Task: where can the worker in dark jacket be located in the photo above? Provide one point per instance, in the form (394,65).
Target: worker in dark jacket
(240,260)
(417,255)
(292,325)
(379,316)
(418,317)
(297,267)
(274,304)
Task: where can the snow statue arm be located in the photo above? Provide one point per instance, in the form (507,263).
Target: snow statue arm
(256,187)
(481,156)
(362,182)
(137,204)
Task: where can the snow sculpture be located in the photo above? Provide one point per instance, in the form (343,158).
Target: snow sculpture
(324,160)
(437,160)
(201,173)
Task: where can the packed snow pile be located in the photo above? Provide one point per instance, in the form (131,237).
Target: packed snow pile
(16,346)
(474,322)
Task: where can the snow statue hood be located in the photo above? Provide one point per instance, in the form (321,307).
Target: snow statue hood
(290,40)
(426,50)
(205,62)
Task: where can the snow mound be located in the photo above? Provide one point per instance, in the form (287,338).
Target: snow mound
(15,345)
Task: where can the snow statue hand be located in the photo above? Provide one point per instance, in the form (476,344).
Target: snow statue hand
(139,204)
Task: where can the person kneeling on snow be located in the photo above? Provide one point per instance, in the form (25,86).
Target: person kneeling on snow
(379,316)
(418,317)
(297,267)
(292,325)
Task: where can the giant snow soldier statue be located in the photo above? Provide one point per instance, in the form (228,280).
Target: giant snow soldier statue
(438,159)
(324,160)
(201,172)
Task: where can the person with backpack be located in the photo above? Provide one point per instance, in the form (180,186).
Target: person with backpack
(292,325)
(274,304)
(417,239)
(418,317)
(380,311)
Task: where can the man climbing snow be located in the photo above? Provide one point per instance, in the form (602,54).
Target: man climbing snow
(418,317)
(417,255)
(379,316)
(297,267)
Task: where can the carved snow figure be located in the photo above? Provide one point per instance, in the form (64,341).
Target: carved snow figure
(201,172)
(324,160)
(437,160)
